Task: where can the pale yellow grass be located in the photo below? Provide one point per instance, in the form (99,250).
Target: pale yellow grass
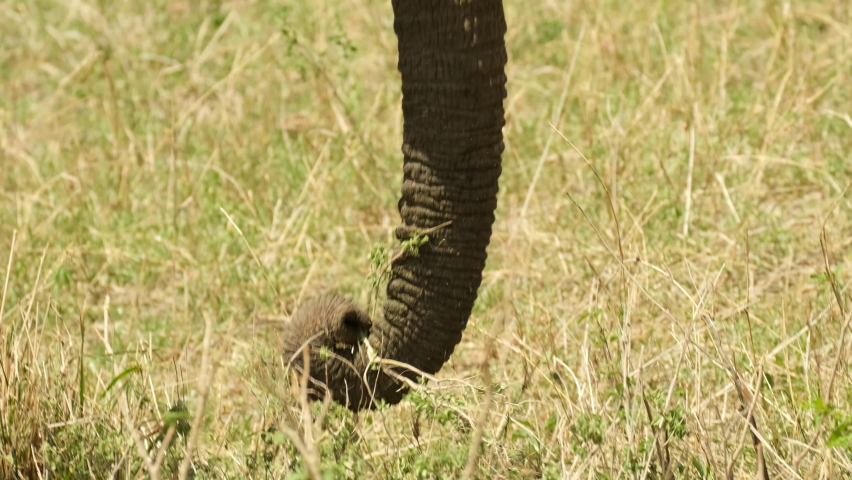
(666,293)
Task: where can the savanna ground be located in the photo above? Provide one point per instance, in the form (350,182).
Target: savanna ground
(177,175)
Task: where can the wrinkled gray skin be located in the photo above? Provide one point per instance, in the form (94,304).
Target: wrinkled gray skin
(452,58)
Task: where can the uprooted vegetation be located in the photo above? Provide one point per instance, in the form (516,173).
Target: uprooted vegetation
(667,288)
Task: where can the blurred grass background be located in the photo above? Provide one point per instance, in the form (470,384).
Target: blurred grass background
(175,170)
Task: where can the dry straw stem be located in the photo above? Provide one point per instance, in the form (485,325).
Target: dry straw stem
(833,284)
(746,408)
(688,194)
(251,250)
(208,374)
(474,450)
(150,465)
(556,120)
(660,447)
(305,442)
(8,274)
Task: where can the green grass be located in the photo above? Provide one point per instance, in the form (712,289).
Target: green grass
(131,132)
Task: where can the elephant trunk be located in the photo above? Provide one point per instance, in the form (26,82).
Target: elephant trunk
(452,57)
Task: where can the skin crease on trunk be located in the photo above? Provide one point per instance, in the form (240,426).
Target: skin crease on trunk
(452,59)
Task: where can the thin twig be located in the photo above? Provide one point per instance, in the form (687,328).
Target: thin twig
(829,275)
(251,250)
(35,285)
(557,116)
(658,446)
(475,449)
(747,408)
(8,274)
(207,373)
(304,443)
(688,193)
(608,197)
(728,201)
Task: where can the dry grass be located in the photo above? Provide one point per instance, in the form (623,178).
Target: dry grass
(666,294)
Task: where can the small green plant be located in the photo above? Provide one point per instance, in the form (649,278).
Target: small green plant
(837,422)
(178,417)
(587,430)
(673,420)
(381,263)
(704,471)
(379,274)
(412,245)
(634,458)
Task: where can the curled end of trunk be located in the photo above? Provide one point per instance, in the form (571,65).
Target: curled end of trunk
(325,336)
